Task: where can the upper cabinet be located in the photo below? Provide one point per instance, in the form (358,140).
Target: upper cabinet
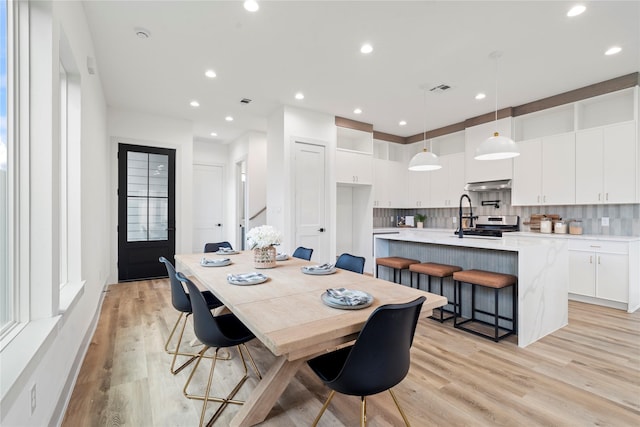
(447,183)
(486,170)
(354,157)
(606,164)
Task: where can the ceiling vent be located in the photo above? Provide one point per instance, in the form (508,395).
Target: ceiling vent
(245,100)
(440,88)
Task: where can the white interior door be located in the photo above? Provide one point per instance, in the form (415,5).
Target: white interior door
(310,199)
(207,206)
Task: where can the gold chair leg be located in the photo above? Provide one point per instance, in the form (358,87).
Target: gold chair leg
(253,363)
(324,407)
(363,411)
(404,417)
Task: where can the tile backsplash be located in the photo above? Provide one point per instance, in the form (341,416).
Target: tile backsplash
(624,220)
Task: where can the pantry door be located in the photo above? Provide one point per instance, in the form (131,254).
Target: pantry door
(310,199)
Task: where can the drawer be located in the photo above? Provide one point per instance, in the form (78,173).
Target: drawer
(599,246)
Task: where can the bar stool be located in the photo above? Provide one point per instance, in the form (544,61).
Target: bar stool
(487,279)
(396,263)
(432,269)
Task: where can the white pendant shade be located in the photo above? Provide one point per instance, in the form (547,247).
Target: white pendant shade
(424,161)
(497,147)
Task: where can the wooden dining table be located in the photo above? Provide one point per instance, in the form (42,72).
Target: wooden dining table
(286,313)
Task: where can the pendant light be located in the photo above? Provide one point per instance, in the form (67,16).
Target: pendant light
(497,147)
(424,160)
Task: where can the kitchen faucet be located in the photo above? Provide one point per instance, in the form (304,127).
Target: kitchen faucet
(460,234)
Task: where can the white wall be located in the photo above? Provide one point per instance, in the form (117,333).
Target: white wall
(156,131)
(49,351)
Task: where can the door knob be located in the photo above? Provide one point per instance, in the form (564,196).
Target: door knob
(218,225)
(321,230)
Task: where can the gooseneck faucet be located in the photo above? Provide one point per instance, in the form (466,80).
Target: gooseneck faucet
(460,233)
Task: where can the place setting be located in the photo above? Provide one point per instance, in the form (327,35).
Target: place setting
(226,251)
(320,270)
(247,279)
(282,256)
(217,262)
(346,299)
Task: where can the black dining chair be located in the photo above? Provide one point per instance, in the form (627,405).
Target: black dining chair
(214,247)
(303,253)
(216,332)
(377,361)
(351,262)
(182,302)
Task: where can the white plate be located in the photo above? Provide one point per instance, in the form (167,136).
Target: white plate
(318,271)
(215,262)
(282,257)
(228,252)
(247,279)
(336,303)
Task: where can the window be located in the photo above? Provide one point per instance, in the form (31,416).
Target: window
(6,290)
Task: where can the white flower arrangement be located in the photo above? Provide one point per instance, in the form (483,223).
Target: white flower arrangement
(263,237)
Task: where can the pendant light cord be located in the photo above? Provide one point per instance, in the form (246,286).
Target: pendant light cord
(424,122)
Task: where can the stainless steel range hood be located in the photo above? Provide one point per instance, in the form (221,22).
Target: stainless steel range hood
(503,184)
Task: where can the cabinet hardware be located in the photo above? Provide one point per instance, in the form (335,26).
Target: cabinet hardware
(590,259)
(594,246)
(606,196)
(598,196)
(598,259)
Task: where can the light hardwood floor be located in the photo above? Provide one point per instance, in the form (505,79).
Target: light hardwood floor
(586,374)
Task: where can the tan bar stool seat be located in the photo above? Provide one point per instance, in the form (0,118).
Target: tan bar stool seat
(396,263)
(487,279)
(432,269)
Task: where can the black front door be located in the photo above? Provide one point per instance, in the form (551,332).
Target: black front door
(146,210)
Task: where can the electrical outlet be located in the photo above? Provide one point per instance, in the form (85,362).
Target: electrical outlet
(33,399)
(605,221)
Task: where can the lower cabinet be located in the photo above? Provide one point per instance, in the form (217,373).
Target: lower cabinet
(599,269)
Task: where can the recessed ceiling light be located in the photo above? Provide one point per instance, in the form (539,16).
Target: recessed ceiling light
(357,111)
(251,5)
(142,33)
(194,103)
(402,123)
(366,48)
(210,73)
(214,134)
(576,10)
(613,50)
(229,118)
(481,96)
(299,95)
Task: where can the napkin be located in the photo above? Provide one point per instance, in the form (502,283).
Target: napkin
(225,249)
(347,296)
(323,267)
(246,277)
(208,261)
(280,256)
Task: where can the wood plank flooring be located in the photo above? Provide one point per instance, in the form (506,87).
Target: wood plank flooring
(587,374)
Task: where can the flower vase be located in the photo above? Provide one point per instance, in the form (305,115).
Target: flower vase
(264,257)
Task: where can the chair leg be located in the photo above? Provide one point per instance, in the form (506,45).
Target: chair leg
(324,407)
(363,411)
(404,417)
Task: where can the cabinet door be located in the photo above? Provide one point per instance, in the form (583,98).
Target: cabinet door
(381,172)
(619,163)
(455,178)
(418,188)
(582,274)
(558,169)
(486,170)
(527,179)
(398,176)
(613,277)
(353,168)
(439,185)
(589,167)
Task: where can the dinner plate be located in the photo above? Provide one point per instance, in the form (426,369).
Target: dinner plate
(282,257)
(205,262)
(336,303)
(247,279)
(318,271)
(227,252)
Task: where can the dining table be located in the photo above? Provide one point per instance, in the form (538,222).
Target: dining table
(289,315)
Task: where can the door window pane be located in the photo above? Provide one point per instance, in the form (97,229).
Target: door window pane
(147,197)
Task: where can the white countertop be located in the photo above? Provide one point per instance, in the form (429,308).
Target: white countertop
(510,235)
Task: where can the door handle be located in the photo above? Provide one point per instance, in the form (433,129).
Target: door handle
(218,225)
(321,230)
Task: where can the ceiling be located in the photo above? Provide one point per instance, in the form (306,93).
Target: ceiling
(313,47)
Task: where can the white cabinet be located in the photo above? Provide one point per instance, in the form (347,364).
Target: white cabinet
(354,167)
(544,172)
(599,269)
(486,170)
(606,164)
(389,184)
(418,189)
(447,183)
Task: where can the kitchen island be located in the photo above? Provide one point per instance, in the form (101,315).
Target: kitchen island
(541,266)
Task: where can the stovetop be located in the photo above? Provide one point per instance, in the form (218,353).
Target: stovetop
(493,225)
